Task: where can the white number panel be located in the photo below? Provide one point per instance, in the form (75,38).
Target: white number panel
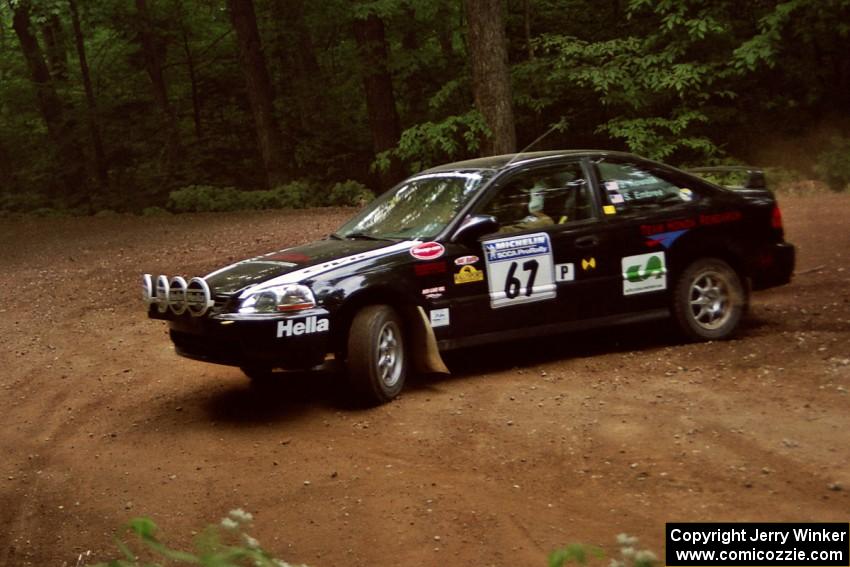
(519,269)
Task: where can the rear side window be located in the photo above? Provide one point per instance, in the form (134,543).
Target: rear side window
(629,186)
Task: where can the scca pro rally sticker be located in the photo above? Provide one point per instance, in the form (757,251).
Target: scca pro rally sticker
(519,269)
(427,251)
(644,273)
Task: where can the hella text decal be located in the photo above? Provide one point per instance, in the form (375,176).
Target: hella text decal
(307,326)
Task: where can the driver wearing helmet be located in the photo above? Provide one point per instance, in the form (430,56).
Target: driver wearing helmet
(535,217)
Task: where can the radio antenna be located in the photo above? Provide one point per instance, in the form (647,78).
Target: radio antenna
(559,125)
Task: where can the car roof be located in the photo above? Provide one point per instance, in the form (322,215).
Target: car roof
(522,159)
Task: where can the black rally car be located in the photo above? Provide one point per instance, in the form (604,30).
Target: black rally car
(482,251)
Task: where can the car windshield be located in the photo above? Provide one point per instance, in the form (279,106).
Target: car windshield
(418,208)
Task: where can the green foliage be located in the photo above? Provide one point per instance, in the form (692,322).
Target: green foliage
(686,81)
(781,176)
(431,143)
(205,198)
(154,212)
(833,164)
(23,202)
(574,553)
(349,194)
(659,138)
(581,554)
(633,78)
(228,544)
(49,212)
(224,545)
(296,195)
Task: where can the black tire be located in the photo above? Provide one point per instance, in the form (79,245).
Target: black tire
(377,356)
(709,300)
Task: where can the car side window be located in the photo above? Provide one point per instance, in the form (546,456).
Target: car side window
(536,199)
(629,186)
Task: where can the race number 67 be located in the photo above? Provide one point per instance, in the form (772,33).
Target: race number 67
(519,269)
(513,285)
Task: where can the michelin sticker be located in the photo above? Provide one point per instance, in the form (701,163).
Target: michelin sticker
(644,273)
(519,269)
(440,317)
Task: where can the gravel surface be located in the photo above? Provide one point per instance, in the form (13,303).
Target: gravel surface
(524,448)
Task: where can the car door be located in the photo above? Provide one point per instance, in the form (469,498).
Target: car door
(540,267)
(646,210)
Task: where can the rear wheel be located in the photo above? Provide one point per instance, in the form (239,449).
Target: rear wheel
(377,359)
(709,300)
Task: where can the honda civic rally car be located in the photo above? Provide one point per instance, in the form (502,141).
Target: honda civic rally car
(483,251)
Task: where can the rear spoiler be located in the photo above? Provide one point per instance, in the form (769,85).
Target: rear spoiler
(754,179)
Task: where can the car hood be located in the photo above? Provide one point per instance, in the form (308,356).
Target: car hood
(300,263)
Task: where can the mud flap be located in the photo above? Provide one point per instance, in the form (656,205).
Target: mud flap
(426,355)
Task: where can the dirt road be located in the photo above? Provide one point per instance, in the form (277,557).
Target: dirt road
(524,448)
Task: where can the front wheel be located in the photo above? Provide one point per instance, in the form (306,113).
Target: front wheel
(377,360)
(709,300)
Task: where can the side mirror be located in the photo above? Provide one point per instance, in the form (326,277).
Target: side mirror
(473,227)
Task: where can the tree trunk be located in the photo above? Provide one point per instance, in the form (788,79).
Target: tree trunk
(91,104)
(491,80)
(444,33)
(60,130)
(191,67)
(7,171)
(154,55)
(298,58)
(526,13)
(54,44)
(259,89)
(380,98)
(193,79)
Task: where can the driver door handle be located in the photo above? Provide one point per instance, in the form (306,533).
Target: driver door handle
(587,241)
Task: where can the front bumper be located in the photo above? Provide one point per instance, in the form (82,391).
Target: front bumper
(775,267)
(292,341)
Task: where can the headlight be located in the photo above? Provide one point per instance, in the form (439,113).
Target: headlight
(281,299)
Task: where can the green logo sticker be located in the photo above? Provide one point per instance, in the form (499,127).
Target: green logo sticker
(644,273)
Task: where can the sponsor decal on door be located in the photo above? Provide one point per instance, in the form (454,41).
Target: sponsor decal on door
(427,251)
(440,317)
(519,269)
(468,274)
(565,272)
(644,273)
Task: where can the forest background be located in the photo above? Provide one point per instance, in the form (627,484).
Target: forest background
(193,105)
